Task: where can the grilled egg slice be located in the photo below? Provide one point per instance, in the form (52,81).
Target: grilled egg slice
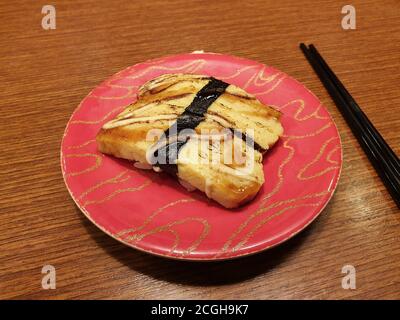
(229,131)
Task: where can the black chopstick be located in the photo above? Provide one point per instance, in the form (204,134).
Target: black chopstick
(355,108)
(384,168)
(384,160)
(382,147)
(367,128)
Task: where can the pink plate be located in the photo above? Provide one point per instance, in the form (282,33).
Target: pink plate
(153,213)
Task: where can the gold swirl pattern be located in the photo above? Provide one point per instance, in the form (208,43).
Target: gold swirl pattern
(301,176)
(258,213)
(314,114)
(132,235)
(280,170)
(197,242)
(153,215)
(156,61)
(131,93)
(98,161)
(286,145)
(168,227)
(269,218)
(190,67)
(118,76)
(119,178)
(109,84)
(258,79)
(115,193)
(83,144)
(176,241)
(104,118)
(322,129)
(248,82)
(237,73)
(262,80)
(269,90)
(79,107)
(329,156)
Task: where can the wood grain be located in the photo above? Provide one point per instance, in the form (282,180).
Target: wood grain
(45,74)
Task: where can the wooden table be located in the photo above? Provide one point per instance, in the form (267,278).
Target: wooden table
(46,73)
